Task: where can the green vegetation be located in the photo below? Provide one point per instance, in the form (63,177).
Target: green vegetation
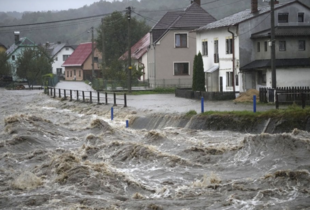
(33,64)
(198,74)
(155,91)
(5,67)
(190,113)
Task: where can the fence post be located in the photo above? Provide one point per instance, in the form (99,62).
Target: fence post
(65,95)
(303,100)
(114,96)
(54,92)
(90,97)
(83,96)
(277,101)
(254,103)
(77,95)
(125,100)
(70,95)
(202,105)
(106,98)
(59,93)
(98,97)
(112,114)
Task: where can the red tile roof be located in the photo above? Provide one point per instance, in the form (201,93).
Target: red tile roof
(139,49)
(79,56)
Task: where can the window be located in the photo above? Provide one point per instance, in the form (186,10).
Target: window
(229,45)
(74,72)
(79,73)
(67,73)
(96,60)
(181,69)
(283,17)
(13,57)
(229,79)
(301,45)
(59,71)
(282,45)
(65,57)
(266,46)
(205,48)
(216,51)
(237,80)
(67,48)
(71,73)
(181,40)
(301,17)
(258,46)
(56,58)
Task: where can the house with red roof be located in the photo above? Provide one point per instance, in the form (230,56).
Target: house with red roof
(139,55)
(79,65)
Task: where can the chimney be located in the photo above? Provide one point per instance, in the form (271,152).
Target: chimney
(254,6)
(196,1)
(16,37)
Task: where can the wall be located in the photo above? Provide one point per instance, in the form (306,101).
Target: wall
(58,63)
(88,63)
(69,73)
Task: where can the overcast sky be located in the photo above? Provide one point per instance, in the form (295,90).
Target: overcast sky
(42,5)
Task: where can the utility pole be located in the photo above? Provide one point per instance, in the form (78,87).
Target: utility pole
(103,48)
(92,52)
(129,48)
(273,47)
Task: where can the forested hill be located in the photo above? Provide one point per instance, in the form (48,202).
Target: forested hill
(75,32)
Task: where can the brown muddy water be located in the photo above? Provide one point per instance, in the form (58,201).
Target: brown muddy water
(68,155)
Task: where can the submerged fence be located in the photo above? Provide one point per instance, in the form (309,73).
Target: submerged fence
(87,96)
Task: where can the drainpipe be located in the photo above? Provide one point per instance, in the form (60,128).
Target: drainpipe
(233,58)
(154,65)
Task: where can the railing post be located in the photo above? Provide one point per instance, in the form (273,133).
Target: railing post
(83,96)
(125,100)
(114,96)
(91,97)
(112,113)
(54,92)
(98,97)
(106,98)
(77,95)
(202,105)
(65,95)
(70,95)
(254,103)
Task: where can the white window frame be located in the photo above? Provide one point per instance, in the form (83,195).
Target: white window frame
(189,68)
(229,45)
(181,33)
(205,51)
(303,17)
(229,78)
(284,48)
(304,45)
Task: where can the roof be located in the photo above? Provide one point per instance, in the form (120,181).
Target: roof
(262,64)
(212,69)
(191,18)
(80,55)
(242,16)
(287,31)
(139,49)
(23,42)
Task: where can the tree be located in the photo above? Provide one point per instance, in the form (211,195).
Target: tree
(5,67)
(32,64)
(116,36)
(198,74)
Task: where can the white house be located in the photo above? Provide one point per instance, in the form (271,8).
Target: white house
(236,51)
(59,52)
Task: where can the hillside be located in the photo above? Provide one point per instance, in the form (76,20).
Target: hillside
(75,32)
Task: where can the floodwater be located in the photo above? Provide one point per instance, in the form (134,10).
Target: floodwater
(68,155)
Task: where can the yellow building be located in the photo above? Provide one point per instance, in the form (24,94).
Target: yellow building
(2,48)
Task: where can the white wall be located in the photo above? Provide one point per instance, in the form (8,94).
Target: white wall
(225,60)
(57,63)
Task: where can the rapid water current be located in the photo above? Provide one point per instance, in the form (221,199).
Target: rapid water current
(68,155)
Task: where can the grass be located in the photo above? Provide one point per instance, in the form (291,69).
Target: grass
(292,111)
(155,91)
(190,113)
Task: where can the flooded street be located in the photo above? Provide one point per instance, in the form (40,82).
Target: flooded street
(56,154)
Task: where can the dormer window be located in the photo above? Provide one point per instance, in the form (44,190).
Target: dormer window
(301,17)
(13,57)
(283,17)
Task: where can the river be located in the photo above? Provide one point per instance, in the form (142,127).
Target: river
(56,154)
